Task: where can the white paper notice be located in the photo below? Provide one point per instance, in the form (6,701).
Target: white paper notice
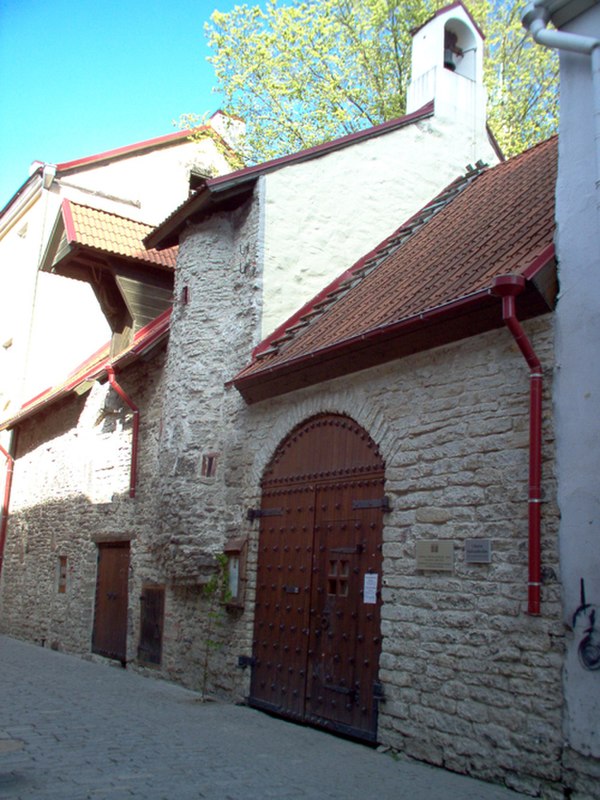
(370,587)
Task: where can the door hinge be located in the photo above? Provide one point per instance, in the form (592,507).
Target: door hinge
(380,502)
(246,661)
(256,513)
(378,693)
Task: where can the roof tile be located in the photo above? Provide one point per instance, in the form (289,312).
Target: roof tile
(489,223)
(114,234)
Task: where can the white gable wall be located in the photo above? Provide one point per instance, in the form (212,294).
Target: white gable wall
(145,186)
(320,214)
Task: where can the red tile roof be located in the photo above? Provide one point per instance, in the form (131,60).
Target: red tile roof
(489,223)
(94,368)
(113,234)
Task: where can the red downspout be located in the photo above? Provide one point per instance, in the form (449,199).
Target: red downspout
(10,465)
(136,426)
(508,287)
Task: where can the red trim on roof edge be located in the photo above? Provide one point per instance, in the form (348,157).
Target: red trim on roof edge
(461,304)
(93,368)
(324,147)
(132,148)
(443,10)
(68,220)
(540,261)
(170,227)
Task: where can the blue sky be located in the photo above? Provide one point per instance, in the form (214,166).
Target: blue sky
(81,77)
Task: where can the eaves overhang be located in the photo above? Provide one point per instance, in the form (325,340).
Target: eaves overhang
(82,235)
(449,322)
(227,191)
(29,191)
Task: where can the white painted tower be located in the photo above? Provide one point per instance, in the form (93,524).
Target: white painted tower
(447,67)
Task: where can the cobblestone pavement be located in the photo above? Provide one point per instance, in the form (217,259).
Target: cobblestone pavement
(74,729)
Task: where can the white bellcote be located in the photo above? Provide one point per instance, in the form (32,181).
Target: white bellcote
(447,67)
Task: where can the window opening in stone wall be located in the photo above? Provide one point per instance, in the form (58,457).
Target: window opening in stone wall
(209,465)
(62,574)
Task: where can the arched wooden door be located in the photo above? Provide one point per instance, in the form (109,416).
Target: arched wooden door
(317,636)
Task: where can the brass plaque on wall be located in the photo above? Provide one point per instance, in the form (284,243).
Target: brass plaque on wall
(435,555)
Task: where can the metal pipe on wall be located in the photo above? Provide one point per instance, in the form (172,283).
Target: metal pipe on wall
(507,287)
(10,465)
(535,19)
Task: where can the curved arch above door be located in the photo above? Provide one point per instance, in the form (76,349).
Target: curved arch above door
(317,638)
(321,448)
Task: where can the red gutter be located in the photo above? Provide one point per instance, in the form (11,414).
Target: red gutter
(508,287)
(386,329)
(10,465)
(136,426)
(94,367)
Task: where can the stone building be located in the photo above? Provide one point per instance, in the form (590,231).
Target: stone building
(324,480)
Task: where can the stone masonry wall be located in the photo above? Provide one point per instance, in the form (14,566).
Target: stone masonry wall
(71,491)
(471,681)
(213,329)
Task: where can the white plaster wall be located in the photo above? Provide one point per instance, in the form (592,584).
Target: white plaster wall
(577,386)
(54,323)
(322,215)
(145,186)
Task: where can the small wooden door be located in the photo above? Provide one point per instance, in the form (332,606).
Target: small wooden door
(317,634)
(110,618)
(151,624)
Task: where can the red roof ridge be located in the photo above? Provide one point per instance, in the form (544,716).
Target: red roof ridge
(443,10)
(213,186)
(146,144)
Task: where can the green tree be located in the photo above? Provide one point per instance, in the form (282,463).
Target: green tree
(305,71)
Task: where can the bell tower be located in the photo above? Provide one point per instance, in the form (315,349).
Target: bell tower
(447,67)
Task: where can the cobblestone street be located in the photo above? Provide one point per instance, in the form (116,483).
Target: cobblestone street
(73,729)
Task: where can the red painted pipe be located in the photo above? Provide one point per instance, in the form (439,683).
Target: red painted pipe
(508,287)
(10,465)
(136,426)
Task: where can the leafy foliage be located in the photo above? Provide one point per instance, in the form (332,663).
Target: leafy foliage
(306,71)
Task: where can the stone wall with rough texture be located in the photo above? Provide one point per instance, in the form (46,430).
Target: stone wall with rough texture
(71,491)
(471,681)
